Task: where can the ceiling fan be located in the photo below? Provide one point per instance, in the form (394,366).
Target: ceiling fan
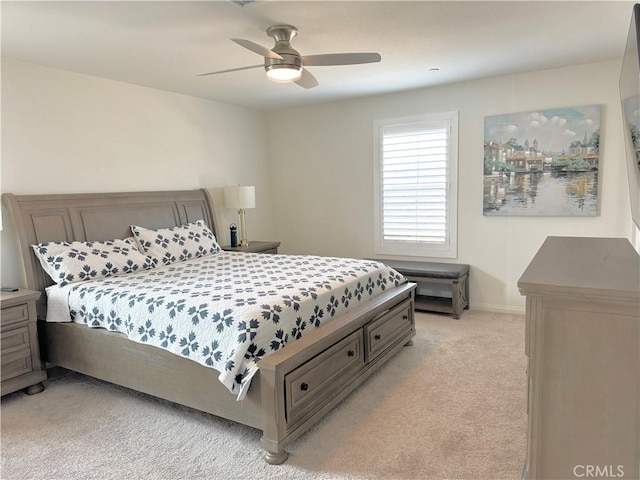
(284,64)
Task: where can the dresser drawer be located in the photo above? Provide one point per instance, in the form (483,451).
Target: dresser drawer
(318,380)
(15,314)
(386,330)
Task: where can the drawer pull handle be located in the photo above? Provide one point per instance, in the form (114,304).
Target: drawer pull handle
(377,337)
(350,353)
(405,317)
(304,387)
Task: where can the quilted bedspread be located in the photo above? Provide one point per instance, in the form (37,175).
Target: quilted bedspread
(228,310)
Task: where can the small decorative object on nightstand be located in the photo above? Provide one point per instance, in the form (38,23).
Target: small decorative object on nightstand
(255,247)
(21,365)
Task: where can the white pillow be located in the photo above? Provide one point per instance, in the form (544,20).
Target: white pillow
(68,262)
(176,244)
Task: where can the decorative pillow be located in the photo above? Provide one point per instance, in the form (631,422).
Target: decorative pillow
(176,244)
(68,262)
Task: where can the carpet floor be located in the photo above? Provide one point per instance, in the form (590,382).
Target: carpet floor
(452,406)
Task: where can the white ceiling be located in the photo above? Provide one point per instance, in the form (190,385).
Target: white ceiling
(166,44)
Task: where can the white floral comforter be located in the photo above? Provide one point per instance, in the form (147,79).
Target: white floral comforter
(228,310)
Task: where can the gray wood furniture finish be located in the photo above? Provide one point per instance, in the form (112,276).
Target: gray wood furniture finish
(21,365)
(582,340)
(255,246)
(372,332)
(455,276)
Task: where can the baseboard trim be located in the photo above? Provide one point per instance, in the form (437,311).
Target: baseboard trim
(487,307)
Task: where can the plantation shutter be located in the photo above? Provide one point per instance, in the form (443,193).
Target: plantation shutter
(414,182)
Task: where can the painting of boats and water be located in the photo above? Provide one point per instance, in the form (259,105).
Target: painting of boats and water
(542,163)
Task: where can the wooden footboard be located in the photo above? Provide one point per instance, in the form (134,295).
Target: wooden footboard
(301,383)
(112,357)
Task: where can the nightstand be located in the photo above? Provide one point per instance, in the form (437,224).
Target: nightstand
(255,247)
(21,365)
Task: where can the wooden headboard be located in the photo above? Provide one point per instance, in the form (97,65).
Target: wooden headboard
(96,216)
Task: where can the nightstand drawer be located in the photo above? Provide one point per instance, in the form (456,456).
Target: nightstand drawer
(14,339)
(17,314)
(16,363)
(16,353)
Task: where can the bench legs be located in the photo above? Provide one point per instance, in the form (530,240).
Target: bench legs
(460,295)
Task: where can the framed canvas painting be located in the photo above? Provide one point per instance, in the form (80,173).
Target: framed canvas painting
(542,163)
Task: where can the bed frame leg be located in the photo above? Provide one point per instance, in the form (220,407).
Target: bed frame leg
(409,343)
(276,458)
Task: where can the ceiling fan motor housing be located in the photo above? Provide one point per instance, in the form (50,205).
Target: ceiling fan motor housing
(282,34)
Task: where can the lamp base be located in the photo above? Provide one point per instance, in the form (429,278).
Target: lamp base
(243,229)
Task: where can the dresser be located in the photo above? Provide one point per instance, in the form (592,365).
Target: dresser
(582,342)
(21,365)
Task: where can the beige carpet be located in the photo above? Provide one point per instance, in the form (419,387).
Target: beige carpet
(452,406)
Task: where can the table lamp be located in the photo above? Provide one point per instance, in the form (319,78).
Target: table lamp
(240,198)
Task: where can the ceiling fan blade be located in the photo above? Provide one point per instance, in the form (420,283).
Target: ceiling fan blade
(306,80)
(340,59)
(230,70)
(255,48)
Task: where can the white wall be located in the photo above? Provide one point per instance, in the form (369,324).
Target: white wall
(64,132)
(68,133)
(322,173)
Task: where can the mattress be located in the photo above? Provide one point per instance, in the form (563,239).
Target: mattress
(225,311)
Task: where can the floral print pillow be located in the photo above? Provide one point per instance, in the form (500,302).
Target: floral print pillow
(69,262)
(176,244)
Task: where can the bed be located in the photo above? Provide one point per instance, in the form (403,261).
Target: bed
(292,388)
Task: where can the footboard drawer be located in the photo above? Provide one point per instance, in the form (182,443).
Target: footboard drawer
(316,381)
(386,330)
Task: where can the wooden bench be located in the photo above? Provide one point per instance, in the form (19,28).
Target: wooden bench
(454,275)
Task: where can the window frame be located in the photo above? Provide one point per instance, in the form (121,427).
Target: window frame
(447,249)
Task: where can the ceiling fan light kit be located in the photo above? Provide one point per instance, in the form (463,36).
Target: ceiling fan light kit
(284,64)
(283,73)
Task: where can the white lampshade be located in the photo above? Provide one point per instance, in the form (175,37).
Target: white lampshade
(240,197)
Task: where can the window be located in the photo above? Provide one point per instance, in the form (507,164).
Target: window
(416,185)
